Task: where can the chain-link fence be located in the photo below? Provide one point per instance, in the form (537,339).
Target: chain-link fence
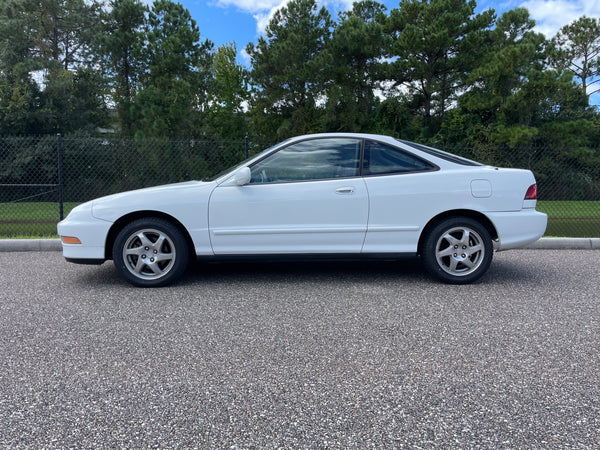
(43,177)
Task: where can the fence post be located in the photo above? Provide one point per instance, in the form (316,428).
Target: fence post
(246,146)
(60,175)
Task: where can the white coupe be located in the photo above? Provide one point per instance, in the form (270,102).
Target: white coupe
(324,195)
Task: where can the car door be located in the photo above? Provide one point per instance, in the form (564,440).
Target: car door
(403,192)
(305,198)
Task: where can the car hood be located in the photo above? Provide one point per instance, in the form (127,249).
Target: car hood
(163,198)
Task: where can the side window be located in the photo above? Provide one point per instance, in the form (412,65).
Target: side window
(317,159)
(381,159)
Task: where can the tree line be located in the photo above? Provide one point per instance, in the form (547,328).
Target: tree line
(434,71)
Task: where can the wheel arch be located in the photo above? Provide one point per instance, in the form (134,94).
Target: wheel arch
(471,214)
(128,218)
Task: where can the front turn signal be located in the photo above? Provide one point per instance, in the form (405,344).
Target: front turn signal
(70,240)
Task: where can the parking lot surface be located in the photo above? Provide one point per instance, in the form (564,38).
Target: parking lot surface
(303,355)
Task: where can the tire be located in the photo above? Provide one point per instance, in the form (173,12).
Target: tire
(458,250)
(151,252)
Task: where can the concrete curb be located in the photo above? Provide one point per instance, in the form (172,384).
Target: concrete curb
(30,245)
(566,244)
(54,245)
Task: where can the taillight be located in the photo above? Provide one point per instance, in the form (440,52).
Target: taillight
(531,193)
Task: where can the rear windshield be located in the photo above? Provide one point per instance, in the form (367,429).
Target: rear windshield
(441,154)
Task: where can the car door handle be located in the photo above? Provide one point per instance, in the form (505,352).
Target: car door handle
(345,190)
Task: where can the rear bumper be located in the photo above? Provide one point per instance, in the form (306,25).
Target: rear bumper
(518,229)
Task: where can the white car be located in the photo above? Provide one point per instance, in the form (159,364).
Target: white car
(333,195)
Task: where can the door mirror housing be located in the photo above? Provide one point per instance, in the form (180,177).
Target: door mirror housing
(241,177)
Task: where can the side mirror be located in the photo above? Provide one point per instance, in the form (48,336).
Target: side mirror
(241,177)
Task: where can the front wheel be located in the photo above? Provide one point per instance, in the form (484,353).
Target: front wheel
(458,250)
(150,252)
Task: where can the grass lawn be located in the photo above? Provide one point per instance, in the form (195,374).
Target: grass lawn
(566,219)
(571,219)
(31,220)
(564,209)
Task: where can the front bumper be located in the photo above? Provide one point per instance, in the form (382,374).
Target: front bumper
(92,233)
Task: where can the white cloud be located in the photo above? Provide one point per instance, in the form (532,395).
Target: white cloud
(263,10)
(251,6)
(263,18)
(244,56)
(551,15)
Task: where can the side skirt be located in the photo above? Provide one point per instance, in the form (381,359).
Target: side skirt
(303,257)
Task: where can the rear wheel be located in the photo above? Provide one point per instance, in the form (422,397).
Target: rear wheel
(150,252)
(458,250)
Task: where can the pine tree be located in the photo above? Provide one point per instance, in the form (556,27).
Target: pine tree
(287,71)
(173,89)
(578,50)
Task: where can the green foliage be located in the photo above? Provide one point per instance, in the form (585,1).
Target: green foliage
(119,47)
(287,70)
(513,93)
(354,53)
(434,44)
(45,46)
(396,117)
(175,82)
(430,70)
(228,96)
(17,102)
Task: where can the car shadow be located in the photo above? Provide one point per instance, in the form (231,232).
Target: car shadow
(300,271)
(405,271)
(105,275)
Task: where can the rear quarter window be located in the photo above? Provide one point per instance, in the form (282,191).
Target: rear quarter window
(382,159)
(441,154)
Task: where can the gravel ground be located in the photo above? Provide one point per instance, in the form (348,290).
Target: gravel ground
(313,355)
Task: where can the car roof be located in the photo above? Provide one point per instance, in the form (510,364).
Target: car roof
(379,137)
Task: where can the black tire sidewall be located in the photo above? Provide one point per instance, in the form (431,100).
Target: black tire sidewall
(428,253)
(170,230)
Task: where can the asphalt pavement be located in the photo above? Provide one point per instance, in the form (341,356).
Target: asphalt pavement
(312,355)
